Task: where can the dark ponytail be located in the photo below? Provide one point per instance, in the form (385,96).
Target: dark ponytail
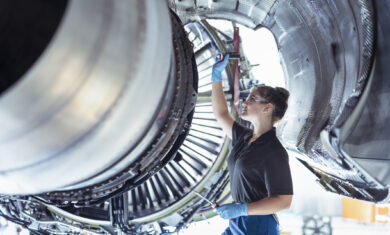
(278,96)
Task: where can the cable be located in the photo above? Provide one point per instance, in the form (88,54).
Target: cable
(22,223)
(13,220)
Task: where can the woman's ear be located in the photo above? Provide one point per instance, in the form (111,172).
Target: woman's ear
(269,107)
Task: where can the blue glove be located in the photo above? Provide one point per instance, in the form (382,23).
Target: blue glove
(216,75)
(233,210)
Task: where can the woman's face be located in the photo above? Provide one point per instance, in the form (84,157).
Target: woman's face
(254,106)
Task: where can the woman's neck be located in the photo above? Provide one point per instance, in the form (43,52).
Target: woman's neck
(261,127)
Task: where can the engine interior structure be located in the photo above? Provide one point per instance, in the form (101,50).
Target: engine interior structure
(106,117)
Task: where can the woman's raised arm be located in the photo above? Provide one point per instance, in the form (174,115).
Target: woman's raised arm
(220,108)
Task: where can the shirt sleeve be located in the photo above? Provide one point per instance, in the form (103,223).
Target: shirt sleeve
(277,175)
(238,131)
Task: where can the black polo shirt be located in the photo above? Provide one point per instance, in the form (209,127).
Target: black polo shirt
(259,170)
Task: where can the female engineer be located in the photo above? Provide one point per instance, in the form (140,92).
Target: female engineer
(260,178)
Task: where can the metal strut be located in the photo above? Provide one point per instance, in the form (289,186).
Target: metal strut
(236,43)
(119,215)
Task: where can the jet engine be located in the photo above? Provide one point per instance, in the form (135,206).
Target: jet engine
(106,118)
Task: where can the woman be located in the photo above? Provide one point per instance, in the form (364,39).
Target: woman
(260,178)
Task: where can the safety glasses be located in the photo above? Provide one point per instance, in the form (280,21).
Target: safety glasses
(251,99)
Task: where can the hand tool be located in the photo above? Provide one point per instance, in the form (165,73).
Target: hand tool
(213,205)
(232,56)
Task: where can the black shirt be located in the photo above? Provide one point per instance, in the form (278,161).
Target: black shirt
(259,170)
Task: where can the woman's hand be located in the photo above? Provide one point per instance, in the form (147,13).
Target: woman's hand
(264,206)
(216,75)
(233,210)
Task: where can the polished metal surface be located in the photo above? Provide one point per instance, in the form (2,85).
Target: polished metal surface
(368,141)
(81,107)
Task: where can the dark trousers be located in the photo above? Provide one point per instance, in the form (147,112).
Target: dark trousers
(252,225)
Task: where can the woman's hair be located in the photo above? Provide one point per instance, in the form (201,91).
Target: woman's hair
(278,96)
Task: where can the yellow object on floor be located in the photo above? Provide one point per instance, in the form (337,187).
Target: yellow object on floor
(366,212)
